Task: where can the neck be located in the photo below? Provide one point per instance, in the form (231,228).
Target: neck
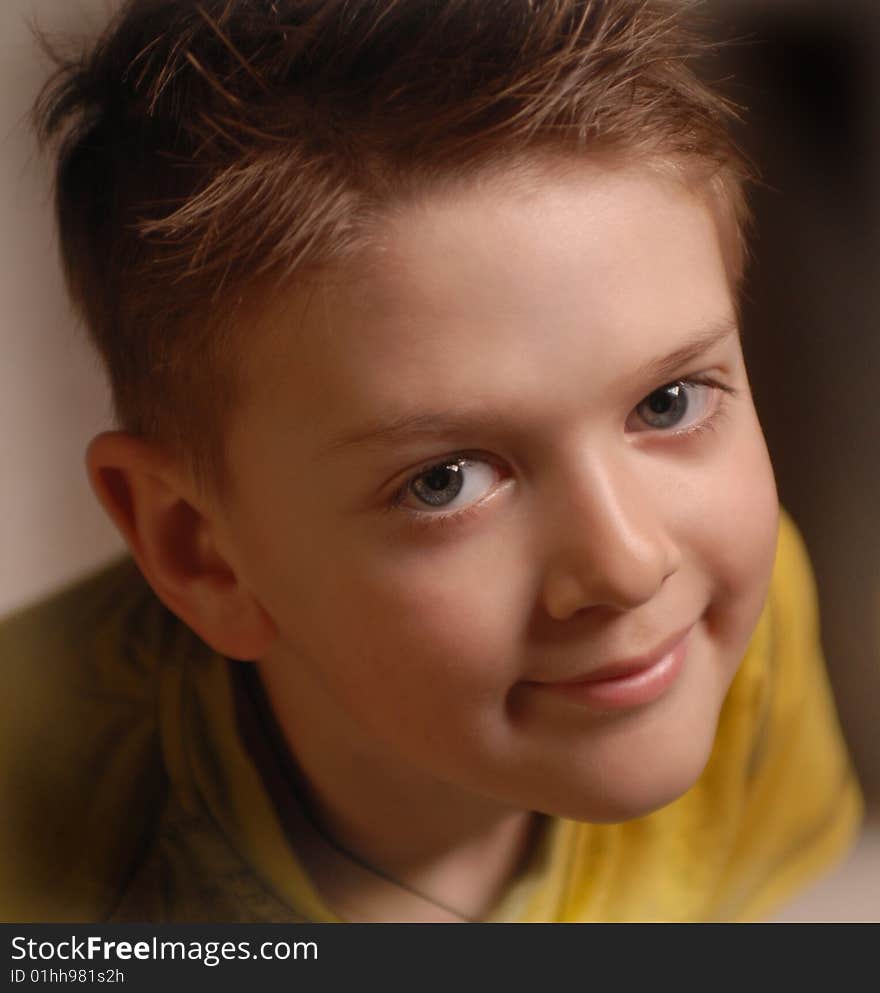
(459,885)
(423,850)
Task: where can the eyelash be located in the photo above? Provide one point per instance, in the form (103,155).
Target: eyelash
(432,521)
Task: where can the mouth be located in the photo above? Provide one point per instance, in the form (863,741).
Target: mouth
(626,683)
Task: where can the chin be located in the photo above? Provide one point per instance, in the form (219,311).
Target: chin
(627,805)
(632,783)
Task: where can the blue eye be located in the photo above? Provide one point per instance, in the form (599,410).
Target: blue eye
(450,485)
(440,484)
(667,406)
(680,405)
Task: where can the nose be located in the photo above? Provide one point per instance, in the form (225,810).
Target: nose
(609,545)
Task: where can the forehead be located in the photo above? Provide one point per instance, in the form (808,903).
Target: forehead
(481,292)
(568,228)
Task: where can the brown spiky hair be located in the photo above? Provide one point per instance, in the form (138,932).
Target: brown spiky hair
(210,148)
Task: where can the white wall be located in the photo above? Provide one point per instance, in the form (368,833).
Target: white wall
(52,395)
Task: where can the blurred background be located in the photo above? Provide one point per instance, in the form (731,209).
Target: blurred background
(808,72)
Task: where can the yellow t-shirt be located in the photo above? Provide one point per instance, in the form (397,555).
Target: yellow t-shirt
(139,781)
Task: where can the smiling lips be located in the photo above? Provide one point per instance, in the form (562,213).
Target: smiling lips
(626,682)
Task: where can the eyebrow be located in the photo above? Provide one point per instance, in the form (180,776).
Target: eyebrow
(698,344)
(439,422)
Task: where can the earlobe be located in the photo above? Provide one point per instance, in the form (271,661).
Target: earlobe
(175,544)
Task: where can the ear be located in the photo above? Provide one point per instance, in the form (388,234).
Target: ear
(176,542)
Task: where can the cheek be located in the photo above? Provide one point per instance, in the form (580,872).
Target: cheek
(452,611)
(434,623)
(738,538)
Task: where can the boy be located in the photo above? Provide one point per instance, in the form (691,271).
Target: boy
(467,595)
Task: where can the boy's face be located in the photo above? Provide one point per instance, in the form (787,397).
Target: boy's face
(588,516)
